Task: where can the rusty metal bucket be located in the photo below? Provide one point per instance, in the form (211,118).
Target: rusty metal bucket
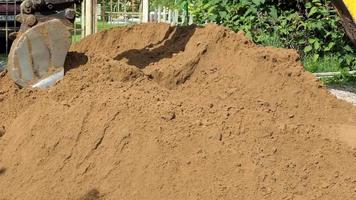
(37,56)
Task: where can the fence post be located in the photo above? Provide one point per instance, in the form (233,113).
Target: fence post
(145,11)
(82,19)
(159,19)
(176,17)
(95,15)
(111,12)
(164,19)
(170,16)
(191,19)
(89,18)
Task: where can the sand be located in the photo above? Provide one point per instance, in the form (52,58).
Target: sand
(159,112)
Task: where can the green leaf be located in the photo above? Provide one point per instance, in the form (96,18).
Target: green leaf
(273,12)
(348,48)
(258,2)
(308,5)
(312,11)
(330,46)
(316,45)
(312,40)
(308,49)
(315,57)
(349,59)
(223,14)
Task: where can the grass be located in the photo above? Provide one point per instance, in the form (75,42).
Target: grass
(101,25)
(76,37)
(344,79)
(106,25)
(323,64)
(330,64)
(338,81)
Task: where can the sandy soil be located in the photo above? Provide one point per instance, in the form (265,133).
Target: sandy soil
(159,112)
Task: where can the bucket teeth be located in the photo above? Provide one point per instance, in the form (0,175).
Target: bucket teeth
(37,56)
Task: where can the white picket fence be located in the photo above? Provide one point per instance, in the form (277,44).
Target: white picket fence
(165,15)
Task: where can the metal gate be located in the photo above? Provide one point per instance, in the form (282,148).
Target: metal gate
(8,10)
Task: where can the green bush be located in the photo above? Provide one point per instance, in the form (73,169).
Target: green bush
(311,27)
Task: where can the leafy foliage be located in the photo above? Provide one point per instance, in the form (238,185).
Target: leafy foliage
(312,27)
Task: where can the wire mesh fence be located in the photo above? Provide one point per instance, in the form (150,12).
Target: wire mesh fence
(118,13)
(106,13)
(115,13)
(8,10)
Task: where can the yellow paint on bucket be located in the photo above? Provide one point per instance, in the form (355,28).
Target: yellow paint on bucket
(351,6)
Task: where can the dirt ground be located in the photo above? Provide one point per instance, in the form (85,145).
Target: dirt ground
(159,112)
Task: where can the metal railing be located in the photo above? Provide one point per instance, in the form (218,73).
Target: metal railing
(9,16)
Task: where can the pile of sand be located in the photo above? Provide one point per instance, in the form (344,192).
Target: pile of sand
(159,112)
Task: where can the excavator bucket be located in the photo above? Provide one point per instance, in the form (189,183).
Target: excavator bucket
(347,11)
(37,56)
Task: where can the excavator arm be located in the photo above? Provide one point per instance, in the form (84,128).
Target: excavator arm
(38,53)
(347,11)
